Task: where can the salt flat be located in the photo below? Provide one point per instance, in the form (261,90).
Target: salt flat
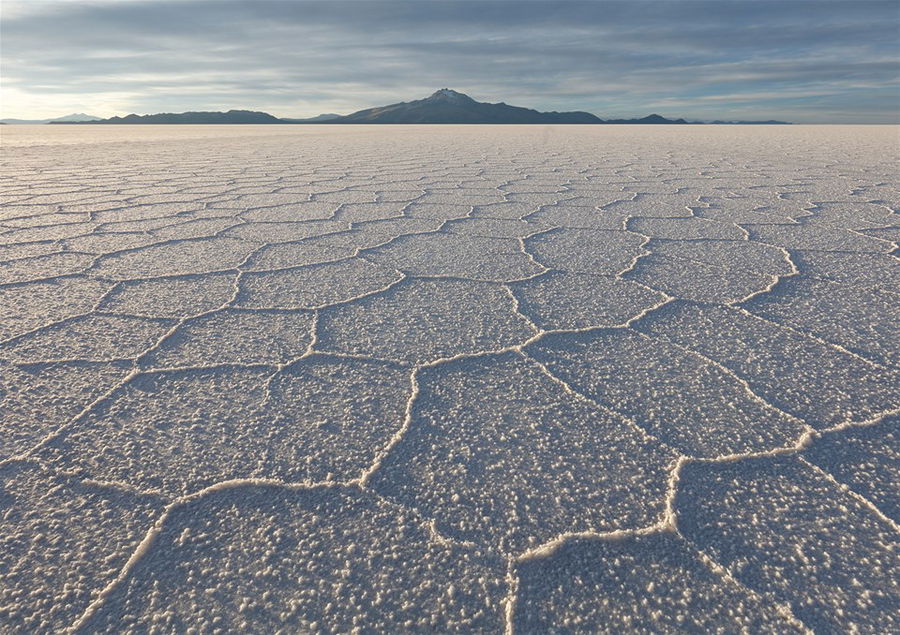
(452,378)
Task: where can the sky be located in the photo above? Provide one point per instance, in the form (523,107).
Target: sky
(805,61)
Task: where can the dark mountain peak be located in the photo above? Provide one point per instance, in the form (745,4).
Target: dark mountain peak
(654,118)
(449,106)
(449,95)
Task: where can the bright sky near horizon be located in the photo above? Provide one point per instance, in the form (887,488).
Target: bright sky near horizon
(805,61)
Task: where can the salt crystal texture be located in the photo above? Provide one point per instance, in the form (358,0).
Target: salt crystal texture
(449,379)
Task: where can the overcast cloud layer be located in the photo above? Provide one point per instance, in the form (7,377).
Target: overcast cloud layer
(803,61)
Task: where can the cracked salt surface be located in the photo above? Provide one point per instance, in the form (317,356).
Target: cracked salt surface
(449,379)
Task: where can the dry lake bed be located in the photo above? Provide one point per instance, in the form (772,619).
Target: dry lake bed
(451,378)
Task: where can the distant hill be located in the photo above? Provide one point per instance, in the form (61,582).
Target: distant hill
(74,117)
(230,117)
(648,119)
(444,106)
(78,116)
(771,122)
(449,106)
(317,119)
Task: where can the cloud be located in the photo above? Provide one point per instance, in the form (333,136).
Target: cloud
(301,58)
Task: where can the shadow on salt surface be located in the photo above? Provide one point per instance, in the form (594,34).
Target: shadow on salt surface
(786,530)
(43,267)
(862,320)
(440,318)
(192,255)
(458,255)
(491,227)
(866,459)
(175,297)
(856,269)
(25,307)
(61,541)
(36,398)
(561,300)
(586,251)
(314,286)
(653,583)
(710,270)
(235,336)
(321,418)
(816,237)
(90,337)
(284,231)
(818,383)
(501,454)
(267,558)
(685,228)
(565,214)
(677,396)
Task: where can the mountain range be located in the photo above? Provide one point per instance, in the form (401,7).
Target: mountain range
(230,117)
(445,106)
(78,117)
